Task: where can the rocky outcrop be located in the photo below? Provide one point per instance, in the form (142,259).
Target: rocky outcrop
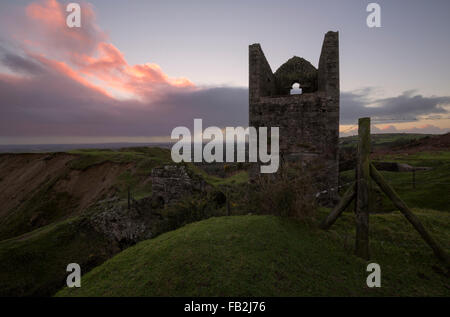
(170,183)
(143,219)
(120,224)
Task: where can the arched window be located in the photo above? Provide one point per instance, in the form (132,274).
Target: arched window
(296,90)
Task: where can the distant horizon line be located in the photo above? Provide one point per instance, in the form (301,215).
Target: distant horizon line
(171,141)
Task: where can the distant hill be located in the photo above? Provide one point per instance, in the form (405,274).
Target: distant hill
(44,148)
(384,139)
(421,144)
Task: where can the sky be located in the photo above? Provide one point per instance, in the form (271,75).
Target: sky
(137,69)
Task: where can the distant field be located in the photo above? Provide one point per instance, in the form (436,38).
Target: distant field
(377,139)
(383,139)
(432,188)
(46,148)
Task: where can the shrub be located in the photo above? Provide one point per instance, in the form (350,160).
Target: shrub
(288,193)
(194,208)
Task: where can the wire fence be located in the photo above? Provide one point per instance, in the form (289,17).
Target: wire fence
(414,183)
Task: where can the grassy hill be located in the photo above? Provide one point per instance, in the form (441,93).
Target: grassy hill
(34,264)
(271,256)
(46,198)
(41,189)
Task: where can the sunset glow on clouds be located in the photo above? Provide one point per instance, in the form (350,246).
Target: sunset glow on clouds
(72,82)
(57,81)
(87,55)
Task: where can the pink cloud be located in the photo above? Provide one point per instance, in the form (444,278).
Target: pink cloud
(386,129)
(45,27)
(66,82)
(85,54)
(65,70)
(429,128)
(424,128)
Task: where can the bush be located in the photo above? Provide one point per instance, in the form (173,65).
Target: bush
(288,193)
(194,208)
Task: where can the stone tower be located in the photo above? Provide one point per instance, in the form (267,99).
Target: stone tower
(308,122)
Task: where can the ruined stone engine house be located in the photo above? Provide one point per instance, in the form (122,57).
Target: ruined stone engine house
(308,122)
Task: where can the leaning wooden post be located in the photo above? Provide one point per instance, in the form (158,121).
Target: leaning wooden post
(362,189)
(400,204)
(129,197)
(337,211)
(228,203)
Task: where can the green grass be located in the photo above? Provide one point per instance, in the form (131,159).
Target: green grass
(240,177)
(35,263)
(46,205)
(90,157)
(272,256)
(432,187)
(237,178)
(43,207)
(230,256)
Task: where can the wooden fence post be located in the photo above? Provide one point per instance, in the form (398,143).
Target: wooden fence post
(337,211)
(362,189)
(228,203)
(400,204)
(129,197)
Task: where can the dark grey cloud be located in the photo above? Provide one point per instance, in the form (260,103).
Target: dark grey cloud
(21,64)
(48,103)
(408,106)
(217,106)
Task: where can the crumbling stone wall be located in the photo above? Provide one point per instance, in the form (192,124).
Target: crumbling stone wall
(170,183)
(143,219)
(309,123)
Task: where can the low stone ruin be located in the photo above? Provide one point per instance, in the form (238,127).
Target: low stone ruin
(172,182)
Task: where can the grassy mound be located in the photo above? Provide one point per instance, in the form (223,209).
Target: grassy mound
(34,264)
(271,256)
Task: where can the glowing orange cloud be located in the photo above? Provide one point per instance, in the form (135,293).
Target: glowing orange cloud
(388,127)
(49,13)
(47,20)
(63,69)
(89,58)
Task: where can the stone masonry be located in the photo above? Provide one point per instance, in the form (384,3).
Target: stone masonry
(308,122)
(170,183)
